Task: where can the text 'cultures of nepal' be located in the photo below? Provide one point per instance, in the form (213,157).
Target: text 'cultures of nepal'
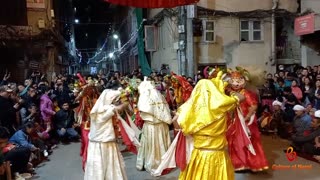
(291,156)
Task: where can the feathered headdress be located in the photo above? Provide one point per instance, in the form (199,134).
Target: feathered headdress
(186,86)
(253,75)
(240,72)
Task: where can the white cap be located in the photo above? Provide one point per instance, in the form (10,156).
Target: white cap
(75,90)
(281,67)
(317,114)
(298,108)
(276,103)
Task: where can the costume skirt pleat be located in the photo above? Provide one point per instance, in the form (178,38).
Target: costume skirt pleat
(208,165)
(104,162)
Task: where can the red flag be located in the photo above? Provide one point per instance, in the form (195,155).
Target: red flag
(131,147)
(153,3)
(181,152)
(84,145)
(138,121)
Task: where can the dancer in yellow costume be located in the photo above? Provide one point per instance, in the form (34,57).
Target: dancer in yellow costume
(203,117)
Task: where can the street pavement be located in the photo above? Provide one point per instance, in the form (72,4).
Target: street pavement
(65,164)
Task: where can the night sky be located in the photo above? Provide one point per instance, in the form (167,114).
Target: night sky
(95,18)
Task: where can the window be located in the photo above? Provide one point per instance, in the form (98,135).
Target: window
(251,30)
(208,31)
(150,38)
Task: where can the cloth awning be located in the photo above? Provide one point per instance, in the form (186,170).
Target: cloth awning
(153,3)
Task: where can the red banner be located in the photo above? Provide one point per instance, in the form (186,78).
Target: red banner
(304,25)
(153,3)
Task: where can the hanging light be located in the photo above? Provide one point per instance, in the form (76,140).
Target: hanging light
(115,36)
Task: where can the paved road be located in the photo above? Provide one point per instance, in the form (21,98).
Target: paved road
(65,164)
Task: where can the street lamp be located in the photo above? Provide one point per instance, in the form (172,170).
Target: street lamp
(76,21)
(115,36)
(111,55)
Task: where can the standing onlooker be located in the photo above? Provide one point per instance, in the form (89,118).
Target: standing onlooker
(62,92)
(46,108)
(8,109)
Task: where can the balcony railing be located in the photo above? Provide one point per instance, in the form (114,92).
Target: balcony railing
(287,51)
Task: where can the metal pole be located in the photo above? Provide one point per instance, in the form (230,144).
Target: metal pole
(191,64)
(182,40)
(273,32)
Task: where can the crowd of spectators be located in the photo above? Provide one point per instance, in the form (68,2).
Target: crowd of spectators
(34,117)
(290,104)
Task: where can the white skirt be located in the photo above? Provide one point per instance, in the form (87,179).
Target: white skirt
(104,162)
(155,142)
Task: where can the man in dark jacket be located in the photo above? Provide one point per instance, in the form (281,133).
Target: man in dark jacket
(7,109)
(62,92)
(65,122)
(306,142)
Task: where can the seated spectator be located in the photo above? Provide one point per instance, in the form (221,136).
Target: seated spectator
(290,102)
(22,137)
(29,115)
(301,121)
(312,111)
(65,123)
(306,142)
(26,138)
(278,121)
(30,97)
(308,107)
(317,95)
(267,94)
(265,118)
(317,145)
(17,156)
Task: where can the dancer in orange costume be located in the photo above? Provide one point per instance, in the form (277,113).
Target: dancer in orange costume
(87,99)
(243,134)
(182,89)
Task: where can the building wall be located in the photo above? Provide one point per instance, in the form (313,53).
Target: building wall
(154,12)
(309,57)
(166,54)
(35,15)
(310,4)
(247,5)
(229,50)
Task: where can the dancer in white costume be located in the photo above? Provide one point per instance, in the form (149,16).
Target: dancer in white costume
(105,161)
(155,139)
